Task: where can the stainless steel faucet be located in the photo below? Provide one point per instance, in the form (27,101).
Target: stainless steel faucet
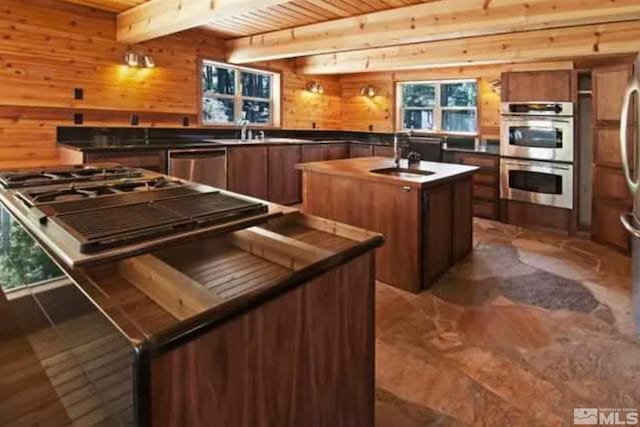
(243,131)
(397,155)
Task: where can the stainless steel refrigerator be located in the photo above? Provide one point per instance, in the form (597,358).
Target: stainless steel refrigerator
(630,150)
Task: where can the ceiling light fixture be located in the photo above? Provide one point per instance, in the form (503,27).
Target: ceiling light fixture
(315,87)
(149,62)
(496,85)
(368,90)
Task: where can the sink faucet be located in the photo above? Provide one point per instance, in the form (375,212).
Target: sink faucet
(396,147)
(243,131)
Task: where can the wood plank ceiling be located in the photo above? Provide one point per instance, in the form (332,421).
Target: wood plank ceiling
(291,14)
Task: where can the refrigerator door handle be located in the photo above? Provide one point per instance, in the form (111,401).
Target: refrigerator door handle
(628,222)
(624,121)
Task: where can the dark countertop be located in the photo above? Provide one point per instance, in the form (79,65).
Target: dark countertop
(191,143)
(361,168)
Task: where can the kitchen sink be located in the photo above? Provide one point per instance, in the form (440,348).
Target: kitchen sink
(403,173)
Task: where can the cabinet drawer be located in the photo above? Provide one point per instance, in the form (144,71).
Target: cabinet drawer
(151,160)
(487,178)
(489,162)
(360,150)
(382,151)
(485,192)
(484,209)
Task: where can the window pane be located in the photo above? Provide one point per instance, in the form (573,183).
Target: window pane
(419,95)
(256,85)
(22,262)
(458,94)
(418,119)
(256,111)
(459,120)
(218,110)
(217,80)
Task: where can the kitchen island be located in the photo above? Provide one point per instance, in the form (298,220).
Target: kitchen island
(423,210)
(265,319)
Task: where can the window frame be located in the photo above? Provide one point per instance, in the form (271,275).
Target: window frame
(275,100)
(437,108)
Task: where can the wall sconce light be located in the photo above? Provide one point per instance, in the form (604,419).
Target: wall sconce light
(496,85)
(315,87)
(134,60)
(368,90)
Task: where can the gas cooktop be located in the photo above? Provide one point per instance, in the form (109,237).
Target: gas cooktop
(98,212)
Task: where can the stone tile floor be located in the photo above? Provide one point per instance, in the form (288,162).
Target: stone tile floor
(528,327)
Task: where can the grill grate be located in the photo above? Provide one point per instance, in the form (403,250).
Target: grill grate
(115,226)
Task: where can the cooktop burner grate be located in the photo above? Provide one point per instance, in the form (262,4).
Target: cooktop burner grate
(103,228)
(33,178)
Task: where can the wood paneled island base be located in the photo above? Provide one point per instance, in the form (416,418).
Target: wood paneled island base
(426,218)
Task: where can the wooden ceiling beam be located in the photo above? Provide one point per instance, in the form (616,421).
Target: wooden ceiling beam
(432,21)
(157,18)
(528,46)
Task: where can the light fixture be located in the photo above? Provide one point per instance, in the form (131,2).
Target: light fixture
(149,62)
(496,85)
(134,60)
(315,87)
(368,90)
(131,59)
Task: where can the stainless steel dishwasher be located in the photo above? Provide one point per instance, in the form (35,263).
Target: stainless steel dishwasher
(205,166)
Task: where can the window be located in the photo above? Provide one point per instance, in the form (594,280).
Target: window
(438,106)
(233,94)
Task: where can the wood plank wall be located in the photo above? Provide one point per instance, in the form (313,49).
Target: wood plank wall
(48,48)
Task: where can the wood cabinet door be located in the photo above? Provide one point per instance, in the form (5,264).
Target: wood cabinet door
(313,153)
(284,179)
(605,224)
(383,151)
(337,151)
(609,85)
(610,184)
(360,150)
(528,86)
(247,171)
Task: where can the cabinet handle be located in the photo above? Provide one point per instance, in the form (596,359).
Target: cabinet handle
(406,189)
(628,221)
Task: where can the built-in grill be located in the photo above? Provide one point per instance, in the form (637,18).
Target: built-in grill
(138,213)
(106,227)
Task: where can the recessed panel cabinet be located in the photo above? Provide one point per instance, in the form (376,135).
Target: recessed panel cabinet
(248,171)
(284,179)
(609,85)
(555,85)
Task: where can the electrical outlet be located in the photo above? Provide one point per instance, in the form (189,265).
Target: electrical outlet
(135,120)
(185,121)
(78,94)
(314,125)
(370,128)
(78,118)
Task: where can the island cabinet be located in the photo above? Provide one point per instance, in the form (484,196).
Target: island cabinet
(360,150)
(322,152)
(248,171)
(271,325)
(426,220)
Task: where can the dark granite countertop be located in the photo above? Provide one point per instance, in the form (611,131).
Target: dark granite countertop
(192,143)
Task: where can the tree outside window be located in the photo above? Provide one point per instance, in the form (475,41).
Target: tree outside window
(439,106)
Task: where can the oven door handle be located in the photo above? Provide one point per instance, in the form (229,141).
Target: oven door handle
(627,220)
(624,143)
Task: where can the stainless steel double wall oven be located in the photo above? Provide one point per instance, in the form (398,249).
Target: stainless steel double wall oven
(537,153)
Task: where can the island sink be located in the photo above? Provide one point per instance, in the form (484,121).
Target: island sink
(403,173)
